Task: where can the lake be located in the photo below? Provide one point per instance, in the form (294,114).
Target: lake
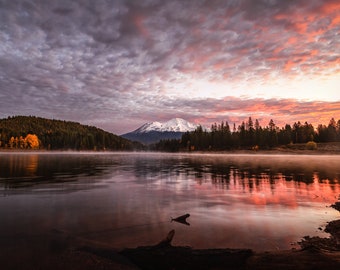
(262,202)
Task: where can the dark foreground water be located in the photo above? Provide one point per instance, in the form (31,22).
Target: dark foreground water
(262,202)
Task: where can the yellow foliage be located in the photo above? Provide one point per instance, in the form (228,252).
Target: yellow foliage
(311,145)
(11,142)
(32,141)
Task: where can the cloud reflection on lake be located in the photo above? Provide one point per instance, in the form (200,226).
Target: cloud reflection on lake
(257,201)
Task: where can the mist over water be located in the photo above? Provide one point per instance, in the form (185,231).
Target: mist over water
(263,202)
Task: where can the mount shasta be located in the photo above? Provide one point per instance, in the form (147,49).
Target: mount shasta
(156,131)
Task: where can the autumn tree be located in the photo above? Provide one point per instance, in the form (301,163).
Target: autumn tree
(11,142)
(32,141)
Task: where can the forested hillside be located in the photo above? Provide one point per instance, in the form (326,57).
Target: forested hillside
(29,132)
(251,135)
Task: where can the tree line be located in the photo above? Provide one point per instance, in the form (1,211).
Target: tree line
(251,135)
(22,132)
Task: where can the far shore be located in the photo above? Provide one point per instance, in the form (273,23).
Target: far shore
(274,151)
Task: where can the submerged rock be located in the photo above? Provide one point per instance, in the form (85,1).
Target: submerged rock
(333,228)
(336,206)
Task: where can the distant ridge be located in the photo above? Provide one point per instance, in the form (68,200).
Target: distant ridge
(58,135)
(155,131)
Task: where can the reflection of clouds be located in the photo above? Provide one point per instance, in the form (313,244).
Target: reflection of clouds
(233,201)
(277,189)
(258,179)
(266,179)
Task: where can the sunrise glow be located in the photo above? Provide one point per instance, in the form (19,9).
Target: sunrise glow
(119,65)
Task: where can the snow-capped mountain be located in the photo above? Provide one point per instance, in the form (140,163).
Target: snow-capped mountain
(156,131)
(173,125)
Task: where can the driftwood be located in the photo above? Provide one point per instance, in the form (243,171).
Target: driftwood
(316,253)
(167,240)
(165,256)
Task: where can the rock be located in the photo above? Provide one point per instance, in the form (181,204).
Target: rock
(336,206)
(333,228)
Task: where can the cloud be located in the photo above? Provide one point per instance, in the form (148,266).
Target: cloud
(236,110)
(121,63)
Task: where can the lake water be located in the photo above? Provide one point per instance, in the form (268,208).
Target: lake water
(262,202)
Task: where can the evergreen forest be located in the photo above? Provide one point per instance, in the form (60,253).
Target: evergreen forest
(251,135)
(30,132)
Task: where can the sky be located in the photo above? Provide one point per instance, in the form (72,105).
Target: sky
(119,64)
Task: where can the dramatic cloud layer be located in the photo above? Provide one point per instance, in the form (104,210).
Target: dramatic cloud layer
(118,64)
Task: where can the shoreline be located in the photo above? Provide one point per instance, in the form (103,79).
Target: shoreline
(59,250)
(231,152)
(84,255)
(293,149)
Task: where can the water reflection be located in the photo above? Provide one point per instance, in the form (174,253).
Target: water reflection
(297,168)
(18,166)
(25,170)
(32,165)
(128,199)
(269,179)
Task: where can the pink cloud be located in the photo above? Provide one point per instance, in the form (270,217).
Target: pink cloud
(282,111)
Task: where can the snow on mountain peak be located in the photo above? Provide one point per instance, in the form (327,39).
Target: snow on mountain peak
(173,125)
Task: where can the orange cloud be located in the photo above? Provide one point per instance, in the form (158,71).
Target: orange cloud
(330,7)
(300,21)
(289,65)
(292,40)
(282,111)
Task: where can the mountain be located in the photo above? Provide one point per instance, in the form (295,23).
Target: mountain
(173,125)
(156,131)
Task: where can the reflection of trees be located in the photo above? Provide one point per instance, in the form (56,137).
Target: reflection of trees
(32,165)
(270,182)
(274,188)
(19,165)
(28,170)
(250,171)
(271,176)
(270,169)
